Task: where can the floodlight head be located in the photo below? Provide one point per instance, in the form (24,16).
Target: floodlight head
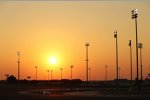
(106,66)
(71,66)
(134,13)
(115,34)
(129,42)
(18,53)
(87,44)
(140,45)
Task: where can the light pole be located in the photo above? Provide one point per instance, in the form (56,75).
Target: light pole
(18,53)
(61,73)
(89,74)
(51,74)
(134,16)
(119,72)
(36,72)
(106,71)
(71,70)
(48,74)
(130,45)
(87,44)
(140,46)
(115,36)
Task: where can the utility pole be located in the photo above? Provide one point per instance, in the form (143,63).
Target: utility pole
(115,36)
(18,53)
(87,45)
(51,74)
(71,67)
(130,45)
(106,71)
(89,74)
(140,46)
(36,72)
(48,74)
(61,73)
(134,16)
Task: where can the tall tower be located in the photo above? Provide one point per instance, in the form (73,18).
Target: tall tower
(18,53)
(87,44)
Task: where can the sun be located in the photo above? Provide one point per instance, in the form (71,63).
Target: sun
(52,60)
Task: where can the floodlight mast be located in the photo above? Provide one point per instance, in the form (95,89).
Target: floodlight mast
(140,46)
(89,74)
(36,72)
(87,44)
(115,36)
(106,71)
(134,16)
(18,53)
(61,73)
(71,70)
(130,45)
(48,74)
(51,74)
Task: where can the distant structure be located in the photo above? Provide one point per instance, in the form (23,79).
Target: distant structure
(28,77)
(7,75)
(48,74)
(89,74)
(140,46)
(115,36)
(87,45)
(61,73)
(51,74)
(18,53)
(119,69)
(130,45)
(134,16)
(36,72)
(71,67)
(106,71)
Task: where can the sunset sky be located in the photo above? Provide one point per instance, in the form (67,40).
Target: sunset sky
(41,30)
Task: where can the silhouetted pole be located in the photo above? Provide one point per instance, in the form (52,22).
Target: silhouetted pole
(61,73)
(89,74)
(115,36)
(36,72)
(119,72)
(134,16)
(71,70)
(140,46)
(130,45)
(48,74)
(87,44)
(18,53)
(51,74)
(106,71)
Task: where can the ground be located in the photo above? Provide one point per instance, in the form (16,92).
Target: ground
(27,92)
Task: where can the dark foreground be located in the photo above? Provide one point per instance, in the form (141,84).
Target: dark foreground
(14,92)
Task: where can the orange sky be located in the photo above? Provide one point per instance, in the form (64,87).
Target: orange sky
(42,29)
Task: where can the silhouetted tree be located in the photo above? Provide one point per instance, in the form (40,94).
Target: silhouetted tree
(11,79)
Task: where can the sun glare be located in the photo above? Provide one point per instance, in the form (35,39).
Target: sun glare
(52,60)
